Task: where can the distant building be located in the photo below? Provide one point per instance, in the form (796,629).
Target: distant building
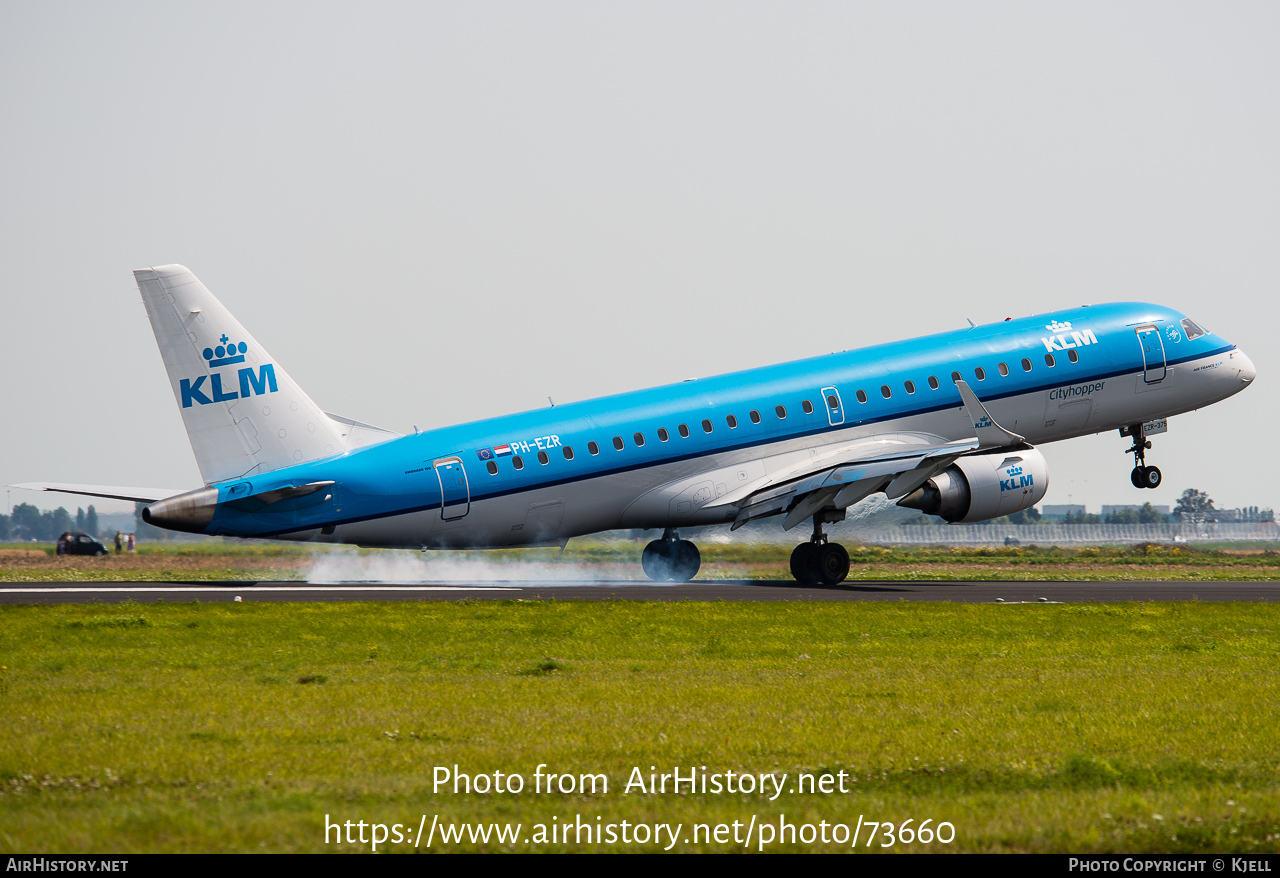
(1060,511)
(1245,514)
(1109,510)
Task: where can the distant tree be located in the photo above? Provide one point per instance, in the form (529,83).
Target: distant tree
(1149,515)
(91,521)
(1194,506)
(1082,518)
(79,519)
(1025,516)
(1124,516)
(60,521)
(27,523)
(4,529)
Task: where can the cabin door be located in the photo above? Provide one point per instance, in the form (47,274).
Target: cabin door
(835,409)
(455,493)
(1153,366)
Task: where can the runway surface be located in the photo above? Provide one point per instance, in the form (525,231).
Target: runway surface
(969,592)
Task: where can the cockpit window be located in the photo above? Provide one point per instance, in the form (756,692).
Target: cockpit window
(1191,328)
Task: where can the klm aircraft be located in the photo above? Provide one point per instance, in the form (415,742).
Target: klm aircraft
(946,424)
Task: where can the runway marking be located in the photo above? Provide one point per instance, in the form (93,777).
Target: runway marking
(256,588)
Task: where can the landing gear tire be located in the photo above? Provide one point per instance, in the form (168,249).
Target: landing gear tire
(1143,476)
(656,561)
(833,563)
(1146,477)
(671,560)
(803,568)
(687,560)
(819,563)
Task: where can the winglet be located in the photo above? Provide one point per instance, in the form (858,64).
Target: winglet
(990,434)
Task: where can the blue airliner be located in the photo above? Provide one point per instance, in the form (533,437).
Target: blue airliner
(946,424)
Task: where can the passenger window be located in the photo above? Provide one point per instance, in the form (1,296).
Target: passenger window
(517,462)
(1073,356)
(593,448)
(1048,360)
(663,435)
(833,402)
(807,406)
(617,442)
(782,412)
(885,391)
(933,383)
(684,431)
(542,458)
(639,437)
(1004,371)
(706,426)
(755,416)
(862,396)
(982,375)
(911,387)
(731,421)
(492,468)
(955,376)
(1026,365)
(568,453)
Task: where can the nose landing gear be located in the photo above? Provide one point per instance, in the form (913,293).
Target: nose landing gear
(1143,476)
(819,562)
(671,558)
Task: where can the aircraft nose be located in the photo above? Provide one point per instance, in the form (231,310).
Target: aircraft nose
(1245,365)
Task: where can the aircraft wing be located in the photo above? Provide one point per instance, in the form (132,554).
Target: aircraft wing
(113,492)
(844,475)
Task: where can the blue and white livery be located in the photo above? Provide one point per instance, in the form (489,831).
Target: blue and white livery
(947,424)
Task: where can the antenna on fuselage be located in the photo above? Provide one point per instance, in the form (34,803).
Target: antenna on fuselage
(972,325)
(552,401)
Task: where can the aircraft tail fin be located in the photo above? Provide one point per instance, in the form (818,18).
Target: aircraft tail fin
(243,413)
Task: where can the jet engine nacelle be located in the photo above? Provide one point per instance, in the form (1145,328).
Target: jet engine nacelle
(983,486)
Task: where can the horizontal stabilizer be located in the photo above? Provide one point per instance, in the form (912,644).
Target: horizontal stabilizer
(112,492)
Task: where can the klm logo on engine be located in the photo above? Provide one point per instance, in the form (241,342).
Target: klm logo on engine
(252,382)
(1016,481)
(1064,338)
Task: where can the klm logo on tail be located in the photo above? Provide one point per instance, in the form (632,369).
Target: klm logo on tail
(252,383)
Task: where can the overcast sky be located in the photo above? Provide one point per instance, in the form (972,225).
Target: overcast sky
(431,213)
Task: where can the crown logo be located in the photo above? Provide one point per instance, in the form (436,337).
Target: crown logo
(225,354)
(1055,326)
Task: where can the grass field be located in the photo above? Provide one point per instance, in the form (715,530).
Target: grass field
(238,727)
(226,560)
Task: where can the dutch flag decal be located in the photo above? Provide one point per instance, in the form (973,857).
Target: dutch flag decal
(502,450)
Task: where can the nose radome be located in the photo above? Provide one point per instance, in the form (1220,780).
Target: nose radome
(1245,365)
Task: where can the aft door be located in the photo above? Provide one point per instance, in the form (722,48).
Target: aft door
(1153,365)
(455,493)
(835,409)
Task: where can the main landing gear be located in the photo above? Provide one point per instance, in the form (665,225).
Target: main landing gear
(819,562)
(1143,476)
(671,558)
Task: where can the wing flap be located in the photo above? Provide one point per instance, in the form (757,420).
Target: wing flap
(848,463)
